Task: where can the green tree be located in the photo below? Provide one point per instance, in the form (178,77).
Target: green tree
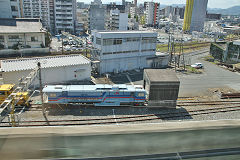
(1,46)
(48,39)
(142,20)
(136,18)
(16,46)
(129,15)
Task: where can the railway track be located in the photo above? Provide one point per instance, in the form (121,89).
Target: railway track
(206,103)
(179,104)
(176,115)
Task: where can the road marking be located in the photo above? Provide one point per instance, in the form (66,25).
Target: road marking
(114,116)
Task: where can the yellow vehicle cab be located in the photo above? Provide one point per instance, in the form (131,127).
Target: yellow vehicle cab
(7,89)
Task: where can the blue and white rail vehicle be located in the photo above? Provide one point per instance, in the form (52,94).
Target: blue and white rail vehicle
(97,95)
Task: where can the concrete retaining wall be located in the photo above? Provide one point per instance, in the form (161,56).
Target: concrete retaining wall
(24,52)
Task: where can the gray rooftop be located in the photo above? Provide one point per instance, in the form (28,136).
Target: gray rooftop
(161,75)
(20,25)
(46,62)
(236,42)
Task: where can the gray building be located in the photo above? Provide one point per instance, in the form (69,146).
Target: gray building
(123,50)
(96,17)
(162,87)
(9,9)
(65,15)
(117,20)
(198,15)
(37,9)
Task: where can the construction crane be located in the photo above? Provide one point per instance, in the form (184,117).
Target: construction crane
(11,101)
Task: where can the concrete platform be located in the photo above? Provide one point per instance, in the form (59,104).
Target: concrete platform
(118,128)
(214,139)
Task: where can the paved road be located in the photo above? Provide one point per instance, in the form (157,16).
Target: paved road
(213,77)
(194,84)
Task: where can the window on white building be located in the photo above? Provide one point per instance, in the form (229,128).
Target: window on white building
(107,42)
(33,39)
(134,39)
(98,41)
(1,38)
(13,38)
(117,41)
(149,40)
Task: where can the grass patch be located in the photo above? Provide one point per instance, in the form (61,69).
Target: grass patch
(193,70)
(187,47)
(209,58)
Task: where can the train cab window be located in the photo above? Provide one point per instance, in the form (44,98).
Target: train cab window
(2,93)
(132,94)
(52,95)
(140,94)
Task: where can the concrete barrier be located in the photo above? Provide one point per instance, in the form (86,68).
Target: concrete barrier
(24,52)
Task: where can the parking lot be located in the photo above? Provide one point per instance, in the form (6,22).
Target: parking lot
(213,77)
(69,43)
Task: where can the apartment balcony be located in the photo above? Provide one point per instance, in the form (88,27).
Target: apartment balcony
(64,3)
(62,17)
(64,22)
(61,26)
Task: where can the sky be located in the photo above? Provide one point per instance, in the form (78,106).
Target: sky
(211,3)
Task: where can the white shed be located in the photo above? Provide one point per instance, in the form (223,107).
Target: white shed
(55,69)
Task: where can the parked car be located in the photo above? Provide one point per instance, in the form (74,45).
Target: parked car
(197,65)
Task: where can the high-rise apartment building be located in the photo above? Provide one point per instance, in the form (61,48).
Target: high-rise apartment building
(117,20)
(194,17)
(135,3)
(65,15)
(9,9)
(152,13)
(96,17)
(36,9)
(52,15)
(123,2)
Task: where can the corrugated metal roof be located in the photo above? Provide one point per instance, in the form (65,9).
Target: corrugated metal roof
(46,62)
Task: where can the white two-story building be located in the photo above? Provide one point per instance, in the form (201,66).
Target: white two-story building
(123,50)
(23,32)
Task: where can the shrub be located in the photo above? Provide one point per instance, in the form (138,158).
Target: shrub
(15,47)
(1,46)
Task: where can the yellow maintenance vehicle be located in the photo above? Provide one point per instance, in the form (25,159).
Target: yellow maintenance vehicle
(21,97)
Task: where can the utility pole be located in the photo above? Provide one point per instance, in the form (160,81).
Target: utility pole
(175,60)
(181,52)
(62,43)
(86,47)
(40,89)
(40,84)
(12,114)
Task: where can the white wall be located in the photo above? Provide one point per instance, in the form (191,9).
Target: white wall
(25,39)
(52,75)
(123,64)
(123,21)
